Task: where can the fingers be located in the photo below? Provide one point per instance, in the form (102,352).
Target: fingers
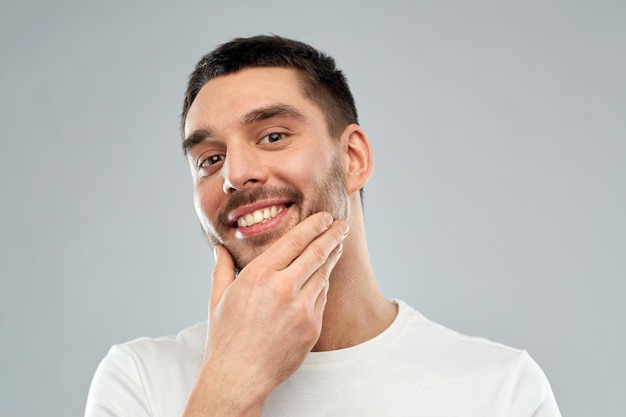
(290,246)
(301,253)
(316,287)
(321,255)
(223,274)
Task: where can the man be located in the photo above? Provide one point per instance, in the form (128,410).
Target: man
(297,323)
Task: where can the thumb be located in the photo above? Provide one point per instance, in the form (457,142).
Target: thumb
(223,274)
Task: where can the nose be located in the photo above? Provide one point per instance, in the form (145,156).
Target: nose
(242,169)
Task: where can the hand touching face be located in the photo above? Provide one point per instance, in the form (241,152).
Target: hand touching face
(261,158)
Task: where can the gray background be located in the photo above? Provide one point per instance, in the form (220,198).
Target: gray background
(496,207)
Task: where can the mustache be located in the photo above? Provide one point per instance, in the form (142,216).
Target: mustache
(242,198)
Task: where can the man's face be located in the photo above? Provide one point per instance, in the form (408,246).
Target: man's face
(261,158)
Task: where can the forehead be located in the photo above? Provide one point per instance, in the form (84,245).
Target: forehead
(224,99)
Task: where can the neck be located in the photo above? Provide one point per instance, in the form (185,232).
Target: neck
(356,309)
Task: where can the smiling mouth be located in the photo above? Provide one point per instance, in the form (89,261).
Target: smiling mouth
(261,216)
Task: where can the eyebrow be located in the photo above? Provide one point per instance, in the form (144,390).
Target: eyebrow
(282,111)
(195,138)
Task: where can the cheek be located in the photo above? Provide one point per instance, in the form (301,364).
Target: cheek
(306,168)
(205,203)
(197,203)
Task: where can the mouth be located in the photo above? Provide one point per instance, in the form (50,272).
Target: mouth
(259,216)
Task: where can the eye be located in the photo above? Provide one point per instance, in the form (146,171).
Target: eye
(272,137)
(211,160)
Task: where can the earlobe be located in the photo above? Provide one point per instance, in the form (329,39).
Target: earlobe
(360,160)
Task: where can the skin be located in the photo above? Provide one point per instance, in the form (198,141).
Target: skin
(254,141)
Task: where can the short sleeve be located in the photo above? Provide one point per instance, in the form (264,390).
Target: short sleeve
(530,393)
(117,389)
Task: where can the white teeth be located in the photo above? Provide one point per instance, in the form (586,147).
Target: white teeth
(259,216)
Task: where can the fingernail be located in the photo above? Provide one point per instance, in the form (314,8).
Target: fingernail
(215,252)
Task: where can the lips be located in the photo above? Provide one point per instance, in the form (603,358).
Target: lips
(257,211)
(259,216)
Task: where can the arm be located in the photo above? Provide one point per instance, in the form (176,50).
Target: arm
(263,324)
(116,388)
(530,394)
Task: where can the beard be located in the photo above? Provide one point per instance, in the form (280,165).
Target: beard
(328,195)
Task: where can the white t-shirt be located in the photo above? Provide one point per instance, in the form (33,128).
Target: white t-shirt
(414,368)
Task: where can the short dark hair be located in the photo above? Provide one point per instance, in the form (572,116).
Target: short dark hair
(322,81)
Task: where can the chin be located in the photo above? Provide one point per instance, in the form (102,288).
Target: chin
(243,259)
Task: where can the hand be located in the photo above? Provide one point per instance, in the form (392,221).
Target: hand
(263,324)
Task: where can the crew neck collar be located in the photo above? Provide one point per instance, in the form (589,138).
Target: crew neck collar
(369,347)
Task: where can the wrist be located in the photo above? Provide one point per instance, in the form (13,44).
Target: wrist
(225,393)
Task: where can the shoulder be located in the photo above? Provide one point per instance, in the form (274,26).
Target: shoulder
(187,345)
(157,361)
(514,379)
(433,336)
(147,374)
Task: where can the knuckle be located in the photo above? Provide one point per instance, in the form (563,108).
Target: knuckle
(262,272)
(257,273)
(278,286)
(296,241)
(324,282)
(319,253)
(323,297)
(302,316)
(284,293)
(311,331)
(323,274)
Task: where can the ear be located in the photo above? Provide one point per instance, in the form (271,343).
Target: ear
(358,157)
